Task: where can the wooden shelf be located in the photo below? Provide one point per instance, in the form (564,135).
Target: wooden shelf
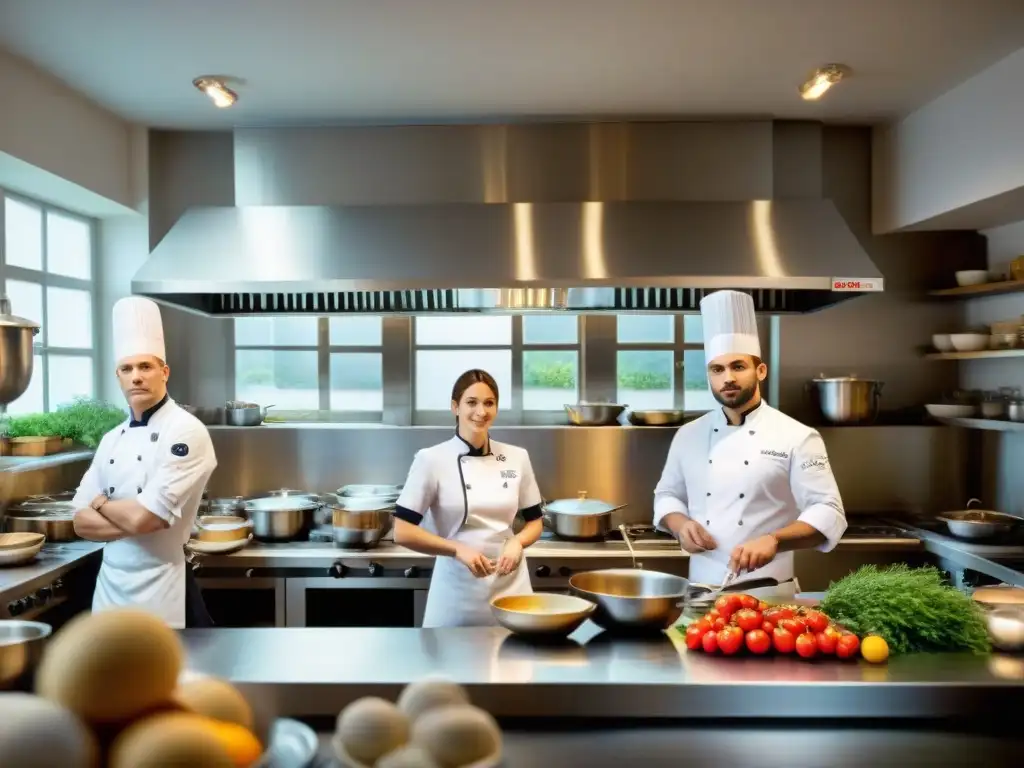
(974,291)
(994,425)
(985,354)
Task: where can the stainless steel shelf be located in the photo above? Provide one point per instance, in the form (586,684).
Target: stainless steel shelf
(985,354)
(994,425)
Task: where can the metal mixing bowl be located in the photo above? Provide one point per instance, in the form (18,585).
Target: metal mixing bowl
(541,613)
(594,414)
(21,648)
(669,418)
(631,598)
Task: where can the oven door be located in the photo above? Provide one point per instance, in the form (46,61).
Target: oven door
(356,602)
(243,601)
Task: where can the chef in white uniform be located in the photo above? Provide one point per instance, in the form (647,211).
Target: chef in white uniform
(142,490)
(745,485)
(469,489)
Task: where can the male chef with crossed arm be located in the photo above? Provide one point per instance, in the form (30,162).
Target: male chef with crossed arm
(143,488)
(745,485)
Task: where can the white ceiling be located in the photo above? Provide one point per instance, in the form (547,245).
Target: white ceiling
(306,61)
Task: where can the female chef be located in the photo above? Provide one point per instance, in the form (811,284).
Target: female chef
(473,488)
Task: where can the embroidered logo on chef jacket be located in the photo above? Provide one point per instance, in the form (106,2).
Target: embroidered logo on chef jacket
(508,474)
(818,463)
(774,454)
(179,449)
(500,457)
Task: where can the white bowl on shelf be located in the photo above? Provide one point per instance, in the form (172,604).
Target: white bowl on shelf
(969,342)
(942,342)
(943,411)
(971,277)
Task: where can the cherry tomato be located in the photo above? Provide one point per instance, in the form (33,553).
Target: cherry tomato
(710,642)
(778,613)
(807,645)
(719,624)
(758,641)
(793,626)
(727,605)
(847,646)
(694,635)
(730,640)
(711,615)
(768,627)
(749,601)
(747,619)
(704,624)
(783,640)
(816,621)
(762,606)
(826,643)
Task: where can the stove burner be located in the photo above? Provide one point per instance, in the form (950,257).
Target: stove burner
(637,533)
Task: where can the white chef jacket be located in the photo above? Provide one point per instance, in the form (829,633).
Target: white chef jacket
(471,496)
(741,482)
(163,460)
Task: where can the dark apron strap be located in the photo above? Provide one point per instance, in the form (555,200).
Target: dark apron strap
(196,615)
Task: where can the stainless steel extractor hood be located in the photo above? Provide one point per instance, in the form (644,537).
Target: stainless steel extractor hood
(792,256)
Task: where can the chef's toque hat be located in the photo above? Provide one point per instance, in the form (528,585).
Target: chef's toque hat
(138,329)
(730,325)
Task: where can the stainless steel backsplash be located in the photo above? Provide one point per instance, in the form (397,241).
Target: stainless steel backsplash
(879,469)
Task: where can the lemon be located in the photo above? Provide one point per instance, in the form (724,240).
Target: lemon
(874,649)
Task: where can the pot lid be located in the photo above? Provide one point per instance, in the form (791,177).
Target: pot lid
(370,490)
(49,509)
(581,505)
(281,503)
(7,320)
(974,515)
(365,503)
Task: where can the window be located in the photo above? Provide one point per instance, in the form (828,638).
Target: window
(47,273)
(550,362)
(654,370)
(448,346)
(304,364)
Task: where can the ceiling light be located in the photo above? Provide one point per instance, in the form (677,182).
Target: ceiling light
(822,79)
(214,87)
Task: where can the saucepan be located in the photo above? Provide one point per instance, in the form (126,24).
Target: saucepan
(978,523)
(53,519)
(281,518)
(633,598)
(239,414)
(359,522)
(580,519)
(21,648)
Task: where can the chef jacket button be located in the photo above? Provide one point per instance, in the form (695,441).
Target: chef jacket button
(716,429)
(139,490)
(139,458)
(708,522)
(111,489)
(746,462)
(742,495)
(709,493)
(740,522)
(111,461)
(468,487)
(709,461)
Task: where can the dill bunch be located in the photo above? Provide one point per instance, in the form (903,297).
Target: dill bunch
(911,608)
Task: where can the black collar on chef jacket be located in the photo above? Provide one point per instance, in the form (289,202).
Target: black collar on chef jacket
(743,416)
(473,450)
(147,414)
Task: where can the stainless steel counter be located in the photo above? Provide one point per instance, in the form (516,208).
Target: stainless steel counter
(316,672)
(977,556)
(52,561)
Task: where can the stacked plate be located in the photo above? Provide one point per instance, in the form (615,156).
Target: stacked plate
(19,548)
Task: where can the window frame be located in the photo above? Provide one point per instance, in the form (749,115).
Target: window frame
(46,279)
(597,350)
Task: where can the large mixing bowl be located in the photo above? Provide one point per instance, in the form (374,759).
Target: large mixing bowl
(542,613)
(630,598)
(359,522)
(21,648)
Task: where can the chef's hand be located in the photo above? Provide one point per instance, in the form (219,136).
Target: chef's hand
(477,563)
(754,554)
(99,501)
(693,538)
(511,555)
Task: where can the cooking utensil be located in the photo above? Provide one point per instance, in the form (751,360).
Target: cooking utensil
(669,418)
(54,519)
(594,414)
(370,490)
(629,546)
(276,518)
(1006,627)
(221,528)
(23,547)
(702,596)
(1015,410)
(359,522)
(21,648)
(541,613)
(245,414)
(16,356)
(292,744)
(579,519)
(978,523)
(846,399)
(632,598)
(217,547)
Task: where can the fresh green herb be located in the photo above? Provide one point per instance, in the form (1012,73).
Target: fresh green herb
(911,608)
(83,421)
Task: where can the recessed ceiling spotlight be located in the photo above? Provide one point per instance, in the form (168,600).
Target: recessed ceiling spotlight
(215,87)
(823,79)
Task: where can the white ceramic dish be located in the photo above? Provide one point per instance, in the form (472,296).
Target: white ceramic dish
(943,411)
(972,277)
(942,342)
(969,342)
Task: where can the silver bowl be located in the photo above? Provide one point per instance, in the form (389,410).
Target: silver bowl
(541,613)
(21,648)
(632,598)
(594,414)
(663,418)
